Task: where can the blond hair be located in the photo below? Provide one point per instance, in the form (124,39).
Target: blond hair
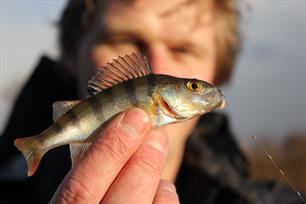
(227,37)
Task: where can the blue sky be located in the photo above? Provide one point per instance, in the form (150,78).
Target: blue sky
(268,91)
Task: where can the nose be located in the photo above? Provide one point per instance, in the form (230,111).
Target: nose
(219,98)
(214,95)
(157,60)
(220,93)
(160,61)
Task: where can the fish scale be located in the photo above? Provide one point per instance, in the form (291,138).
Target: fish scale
(125,83)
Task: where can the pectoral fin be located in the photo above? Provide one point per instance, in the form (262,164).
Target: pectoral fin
(61,107)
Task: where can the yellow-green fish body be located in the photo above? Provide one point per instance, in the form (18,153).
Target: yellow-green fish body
(125,83)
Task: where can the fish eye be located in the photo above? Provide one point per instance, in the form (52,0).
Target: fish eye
(194,85)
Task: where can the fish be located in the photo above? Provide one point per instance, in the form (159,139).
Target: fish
(124,83)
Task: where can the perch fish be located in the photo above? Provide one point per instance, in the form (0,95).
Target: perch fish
(122,84)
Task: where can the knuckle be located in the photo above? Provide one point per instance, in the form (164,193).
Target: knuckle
(118,142)
(150,162)
(74,192)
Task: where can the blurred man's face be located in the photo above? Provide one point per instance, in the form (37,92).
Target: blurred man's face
(177,37)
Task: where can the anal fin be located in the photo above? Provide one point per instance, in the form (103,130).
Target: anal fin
(77,151)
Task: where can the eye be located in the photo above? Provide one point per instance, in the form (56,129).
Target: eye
(194,85)
(116,41)
(180,50)
(126,41)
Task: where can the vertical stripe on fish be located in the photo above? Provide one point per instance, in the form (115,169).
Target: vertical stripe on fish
(57,128)
(151,83)
(96,107)
(74,118)
(131,91)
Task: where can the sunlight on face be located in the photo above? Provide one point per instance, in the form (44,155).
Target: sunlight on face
(173,36)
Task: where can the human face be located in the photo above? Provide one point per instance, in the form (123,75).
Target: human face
(176,40)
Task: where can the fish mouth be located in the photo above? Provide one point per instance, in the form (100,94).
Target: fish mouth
(167,109)
(222,104)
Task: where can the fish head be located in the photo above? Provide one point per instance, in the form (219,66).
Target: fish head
(185,98)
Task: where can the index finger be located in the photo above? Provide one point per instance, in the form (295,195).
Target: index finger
(92,176)
(138,180)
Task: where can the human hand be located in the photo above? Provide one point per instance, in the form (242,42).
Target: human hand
(123,165)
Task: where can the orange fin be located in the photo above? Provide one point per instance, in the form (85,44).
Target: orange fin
(32,152)
(119,70)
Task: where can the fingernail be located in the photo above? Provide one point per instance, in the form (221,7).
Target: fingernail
(136,120)
(158,141)
(169,187)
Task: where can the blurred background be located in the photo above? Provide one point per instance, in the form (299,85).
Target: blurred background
(267,94)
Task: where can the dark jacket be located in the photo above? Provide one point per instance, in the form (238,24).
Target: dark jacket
(214,170)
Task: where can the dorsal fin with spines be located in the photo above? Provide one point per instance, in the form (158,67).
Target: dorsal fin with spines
(119,70)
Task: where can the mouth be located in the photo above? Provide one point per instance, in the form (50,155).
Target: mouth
(222,104)
(166,108)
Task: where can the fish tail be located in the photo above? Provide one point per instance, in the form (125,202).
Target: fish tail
(31,150)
